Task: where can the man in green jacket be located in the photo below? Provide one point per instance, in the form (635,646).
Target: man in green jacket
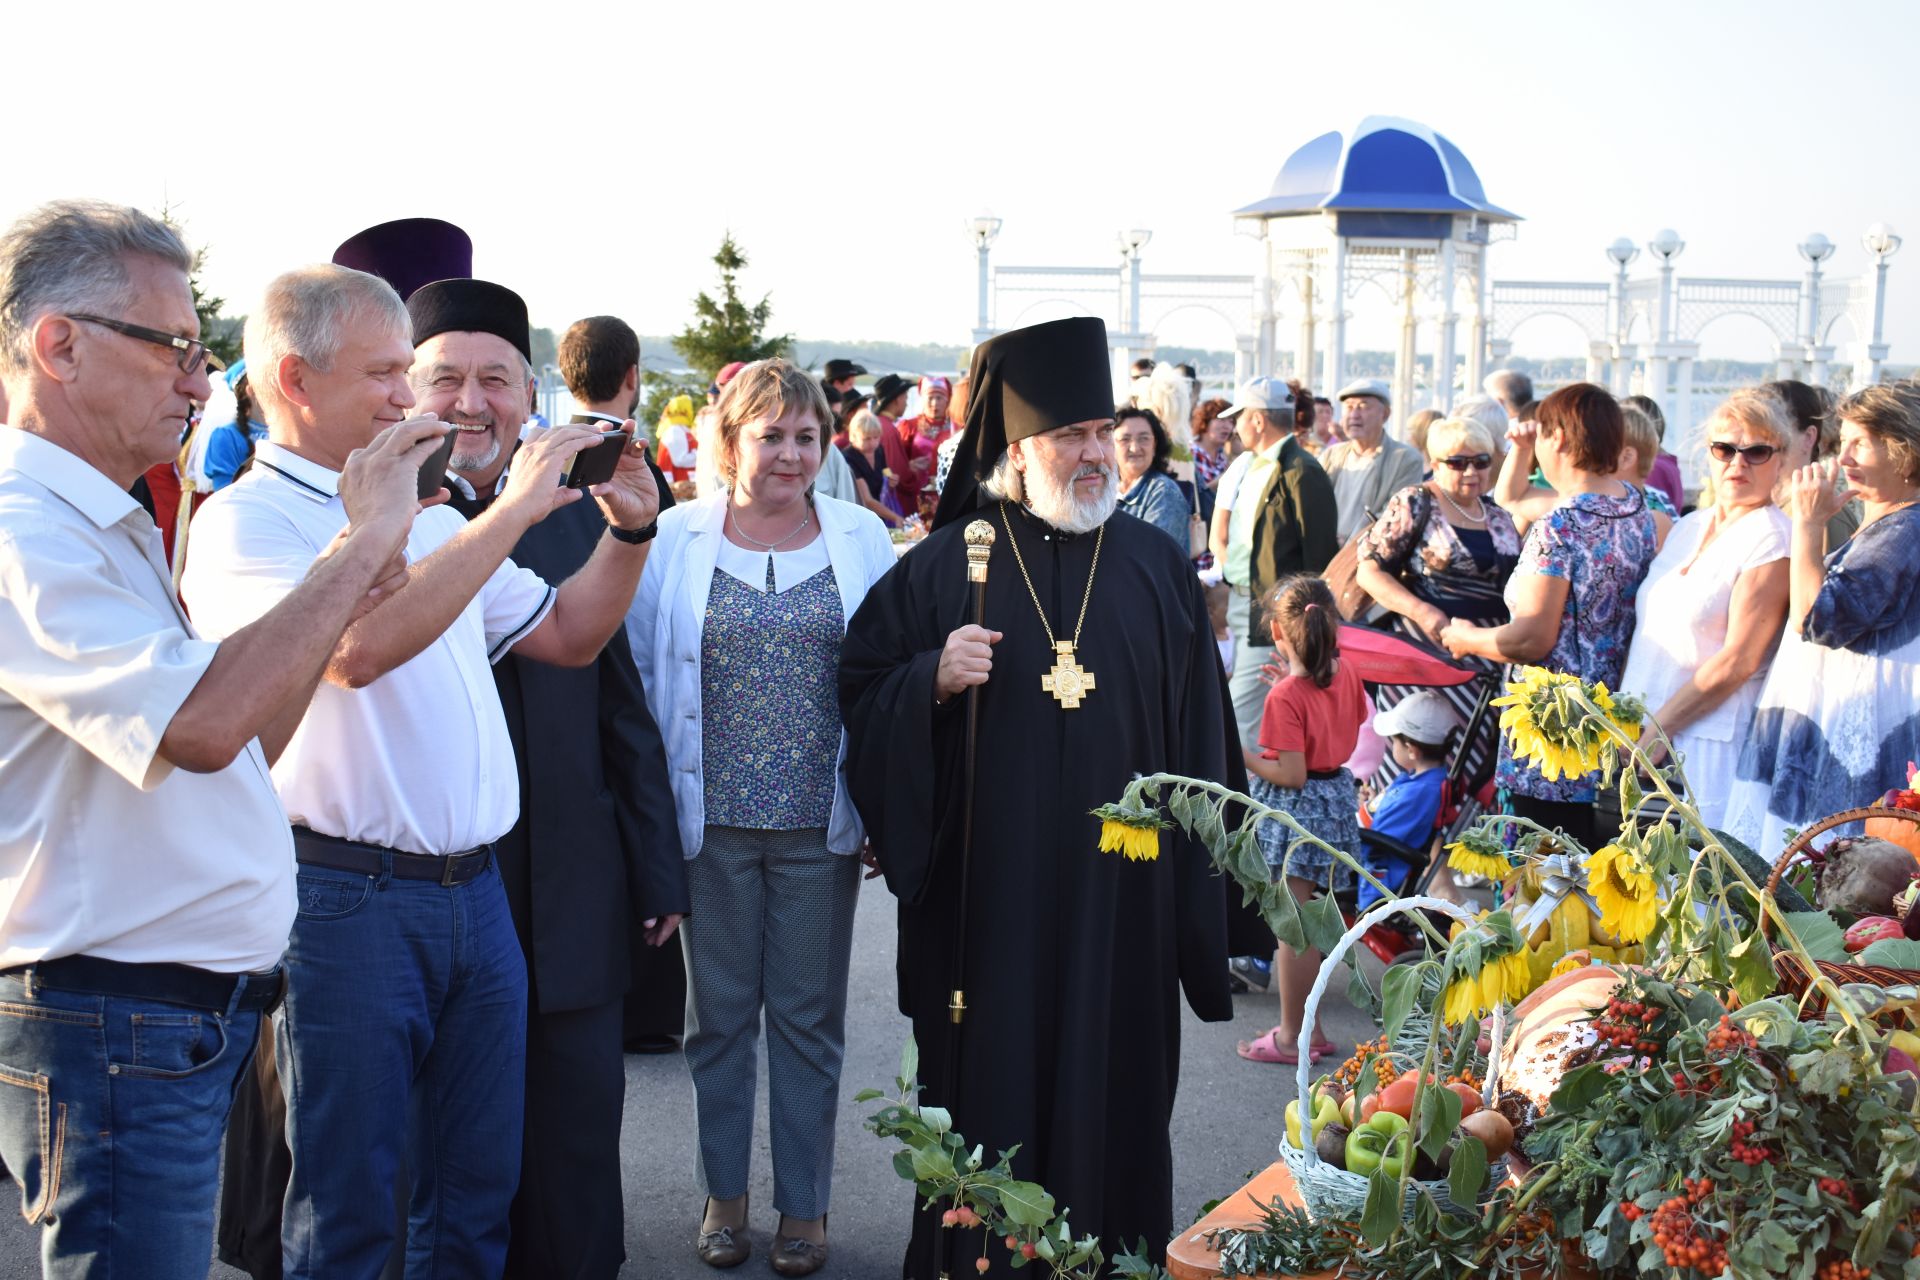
(1280,520)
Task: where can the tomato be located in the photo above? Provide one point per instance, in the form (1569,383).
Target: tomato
(1469,1098)
(1398,1096)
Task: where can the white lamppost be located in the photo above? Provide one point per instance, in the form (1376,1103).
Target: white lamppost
(1623,252)
(1815,249)
(1882,243)
(983,228)
(1666,245)
(1131,243)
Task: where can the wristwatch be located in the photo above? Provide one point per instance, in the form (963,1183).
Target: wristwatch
(634,537)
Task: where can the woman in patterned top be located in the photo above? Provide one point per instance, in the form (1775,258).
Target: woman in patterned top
(1839,718)
(1528,500)
(1571,595)
(1443,550)
(736,630)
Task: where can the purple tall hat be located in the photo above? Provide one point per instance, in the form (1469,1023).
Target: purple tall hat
(409,252)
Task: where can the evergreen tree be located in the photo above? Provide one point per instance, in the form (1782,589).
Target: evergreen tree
(728,329)
(222,335)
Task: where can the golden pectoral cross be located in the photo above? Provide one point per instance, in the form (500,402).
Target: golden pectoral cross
(1068,682)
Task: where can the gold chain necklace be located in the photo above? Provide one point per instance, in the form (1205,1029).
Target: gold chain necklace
(1068,681)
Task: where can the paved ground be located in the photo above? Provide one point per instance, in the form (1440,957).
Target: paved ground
(1225,1125)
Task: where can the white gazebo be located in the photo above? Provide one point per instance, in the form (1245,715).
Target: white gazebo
(1395,206)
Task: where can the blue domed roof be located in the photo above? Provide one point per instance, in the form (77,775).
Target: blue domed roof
(1390,166)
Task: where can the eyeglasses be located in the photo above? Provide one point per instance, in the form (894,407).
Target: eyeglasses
(193,354)
(1473,461)
(1757,455)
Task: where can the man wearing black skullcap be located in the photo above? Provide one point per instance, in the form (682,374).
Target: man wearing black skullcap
(404,1026)
(1097,662)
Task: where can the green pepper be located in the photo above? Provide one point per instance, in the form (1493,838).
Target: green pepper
(1384,1142)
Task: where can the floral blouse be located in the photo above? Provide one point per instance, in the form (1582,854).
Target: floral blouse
(1602,546)
(1464,575)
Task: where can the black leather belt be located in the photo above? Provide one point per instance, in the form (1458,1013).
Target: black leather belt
(1325,775)
(312,849)
(180,984)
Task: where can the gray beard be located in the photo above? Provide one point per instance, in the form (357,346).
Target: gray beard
(1057,505)
(475,461)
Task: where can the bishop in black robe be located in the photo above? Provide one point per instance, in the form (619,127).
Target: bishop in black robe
(1075,959)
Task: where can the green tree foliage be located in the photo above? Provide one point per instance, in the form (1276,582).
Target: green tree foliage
(220,333)
(727,329)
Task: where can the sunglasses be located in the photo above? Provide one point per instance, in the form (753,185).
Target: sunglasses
(1757,455)
(1472,461)
(191,353)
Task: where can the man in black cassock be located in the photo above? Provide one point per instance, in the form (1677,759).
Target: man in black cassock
(594,859)
(1075,959)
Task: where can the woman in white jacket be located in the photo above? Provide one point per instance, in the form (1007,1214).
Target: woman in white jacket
(736,630)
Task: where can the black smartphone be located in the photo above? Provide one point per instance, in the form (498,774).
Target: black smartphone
(595,465)
(433,472)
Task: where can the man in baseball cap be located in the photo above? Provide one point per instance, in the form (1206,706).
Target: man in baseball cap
(1276,510)
(1266,395)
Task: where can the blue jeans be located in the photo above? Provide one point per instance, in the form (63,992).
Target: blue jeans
(403,1035)
(111,1113)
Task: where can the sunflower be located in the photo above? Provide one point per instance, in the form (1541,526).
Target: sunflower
(1133,832)
(1461,1002)
(1549,725)
(1622,884)
(1470,857)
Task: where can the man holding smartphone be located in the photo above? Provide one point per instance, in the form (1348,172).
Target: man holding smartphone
(404,1027)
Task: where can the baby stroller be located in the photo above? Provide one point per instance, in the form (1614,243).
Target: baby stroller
(1467,792)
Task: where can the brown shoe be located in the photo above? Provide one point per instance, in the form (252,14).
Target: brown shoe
(723,1247)
(794,1256)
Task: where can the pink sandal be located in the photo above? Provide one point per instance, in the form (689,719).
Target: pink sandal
(1266,1048)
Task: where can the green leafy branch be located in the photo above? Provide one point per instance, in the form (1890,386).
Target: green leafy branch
(1019,1215)
(1200,808)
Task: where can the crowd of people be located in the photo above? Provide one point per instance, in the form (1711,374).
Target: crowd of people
(367,749)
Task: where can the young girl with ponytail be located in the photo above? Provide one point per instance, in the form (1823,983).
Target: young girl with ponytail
(1308,730)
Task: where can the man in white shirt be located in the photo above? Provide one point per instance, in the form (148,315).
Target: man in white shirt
(1369,466)
(405,1019)
(146,875)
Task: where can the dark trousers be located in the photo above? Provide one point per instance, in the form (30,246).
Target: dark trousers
(566,1218)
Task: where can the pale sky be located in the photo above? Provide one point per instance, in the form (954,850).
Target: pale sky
(597,153)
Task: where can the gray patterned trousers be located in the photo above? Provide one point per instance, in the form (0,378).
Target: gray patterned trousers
(772,928)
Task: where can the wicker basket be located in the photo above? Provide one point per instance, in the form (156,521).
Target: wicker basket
(1792,970)
(1335,1193)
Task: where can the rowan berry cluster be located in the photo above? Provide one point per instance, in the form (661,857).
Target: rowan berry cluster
(1628,1024)
(1682,1239)
(1840,1190)
(1842,1269)
(1727,1040)
(1749,1153)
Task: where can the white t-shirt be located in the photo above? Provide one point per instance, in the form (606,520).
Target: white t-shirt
(105,849)
(418,760)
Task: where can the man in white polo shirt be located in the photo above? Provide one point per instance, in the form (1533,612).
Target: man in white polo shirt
(404,1027)
(146,875)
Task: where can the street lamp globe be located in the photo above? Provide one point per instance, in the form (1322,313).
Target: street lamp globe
(1623,251)
(1666,244)
(1136,239)
(1880,241)
(983,227)
(1816,248)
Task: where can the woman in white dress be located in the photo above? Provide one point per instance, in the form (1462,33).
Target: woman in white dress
(1714,601)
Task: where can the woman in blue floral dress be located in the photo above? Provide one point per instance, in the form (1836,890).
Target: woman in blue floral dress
(1571,596)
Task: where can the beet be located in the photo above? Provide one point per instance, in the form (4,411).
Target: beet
(1863,876)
